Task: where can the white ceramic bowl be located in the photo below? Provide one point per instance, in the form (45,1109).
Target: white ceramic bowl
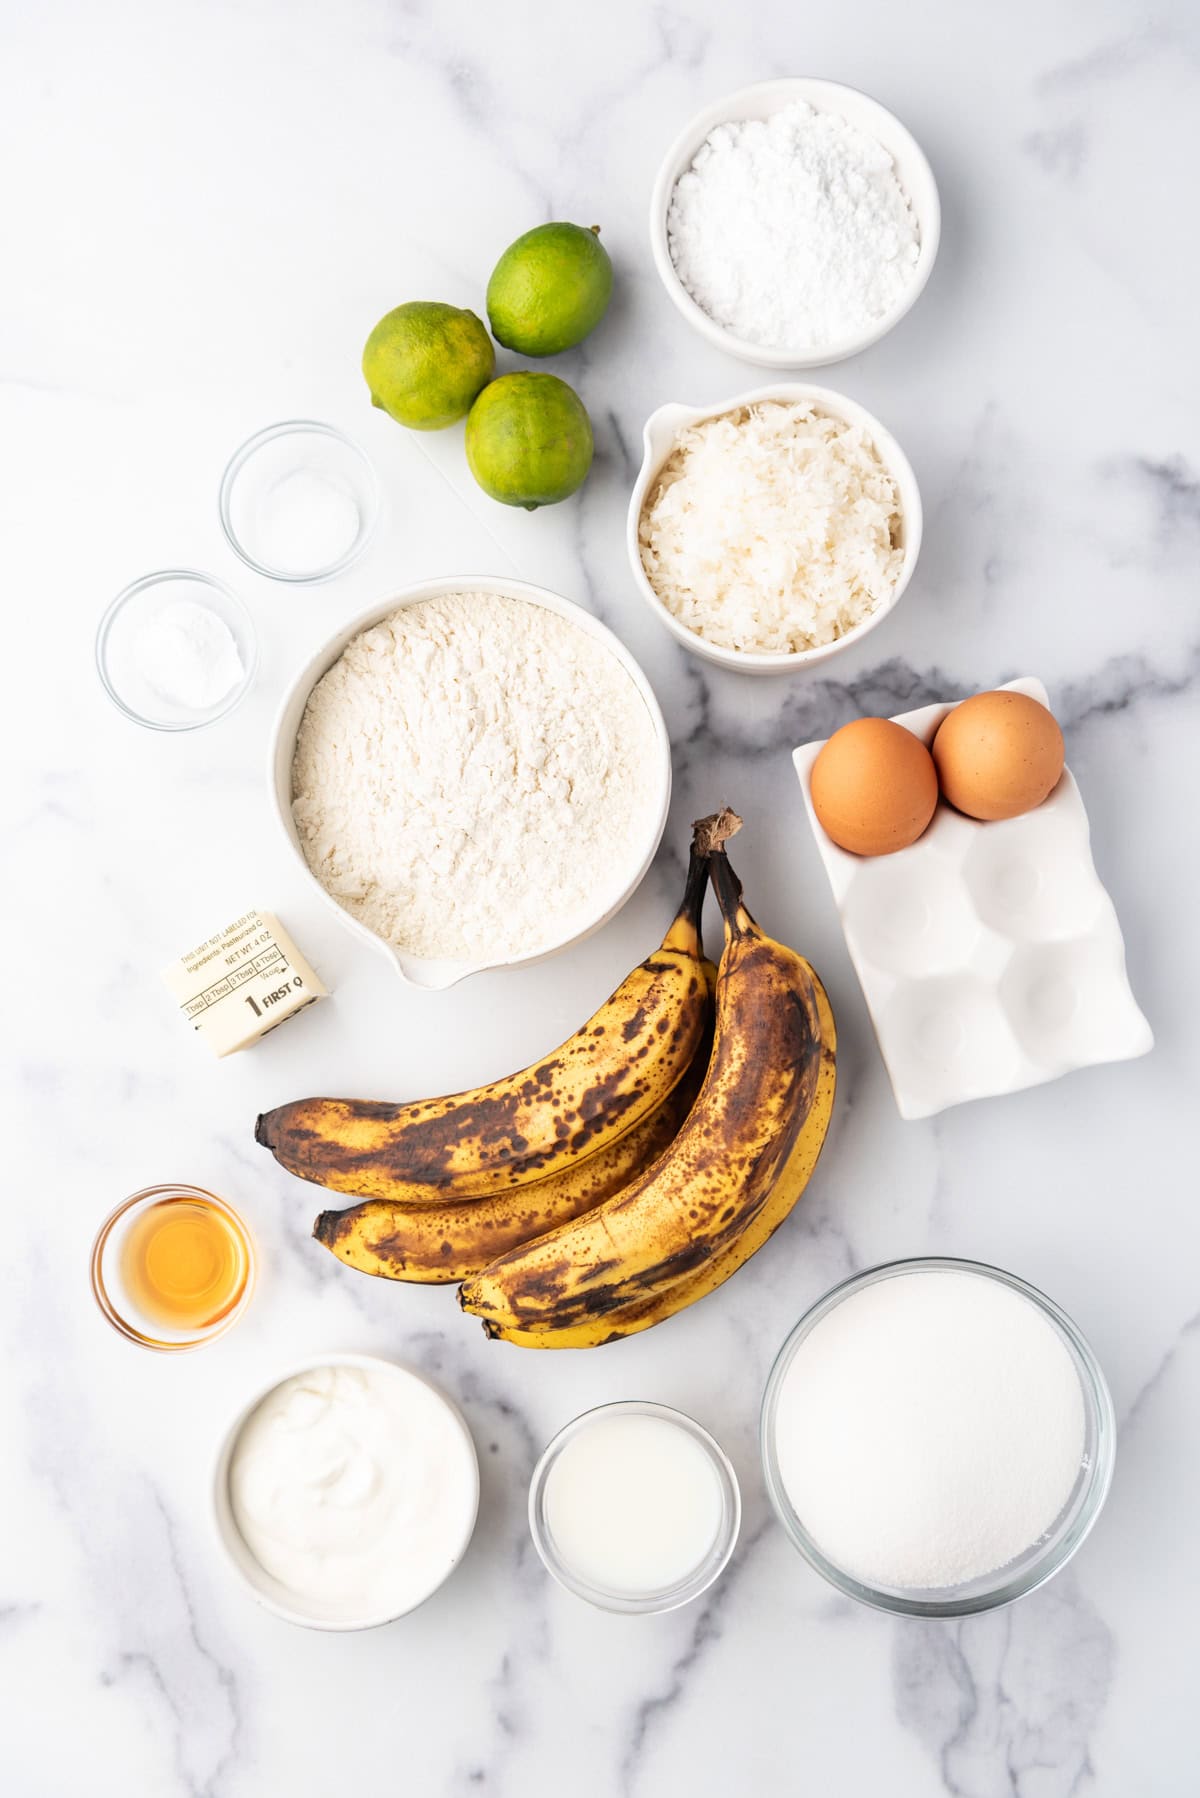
(261,1584)
(422,970)
(658,440)
(759,102)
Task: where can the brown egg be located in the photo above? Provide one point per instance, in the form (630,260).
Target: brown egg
(874,787)
(998,755)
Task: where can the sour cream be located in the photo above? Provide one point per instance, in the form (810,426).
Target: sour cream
(354,1487)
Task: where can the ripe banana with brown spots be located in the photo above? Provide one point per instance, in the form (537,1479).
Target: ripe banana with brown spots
(434,1244)
(602,1082)
(766,1077)
(643,1314)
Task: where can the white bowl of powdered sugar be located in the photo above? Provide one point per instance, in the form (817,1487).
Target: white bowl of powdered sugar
(794,223)
(475,774)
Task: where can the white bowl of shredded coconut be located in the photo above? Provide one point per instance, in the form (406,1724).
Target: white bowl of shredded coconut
(794,223)
(775,529)
(474,774)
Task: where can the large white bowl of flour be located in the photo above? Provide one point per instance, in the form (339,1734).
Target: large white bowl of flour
(474,774)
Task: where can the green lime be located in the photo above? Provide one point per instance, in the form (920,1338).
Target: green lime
(549,289)
(425,362)
(529,440)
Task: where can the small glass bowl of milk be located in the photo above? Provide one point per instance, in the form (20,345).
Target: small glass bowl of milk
(635,1508)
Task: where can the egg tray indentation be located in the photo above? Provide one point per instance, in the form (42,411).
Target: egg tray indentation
(990,955)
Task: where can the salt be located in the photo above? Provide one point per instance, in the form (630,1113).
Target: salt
(793,232)
(188,655)
(930,1429)
(305,522)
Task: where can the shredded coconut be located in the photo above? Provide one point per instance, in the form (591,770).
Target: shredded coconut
(772,528)
(471,777)
(793,232)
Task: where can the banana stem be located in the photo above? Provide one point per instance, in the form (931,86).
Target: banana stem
(712,833)
(686,927)
(728,888)
(694,890)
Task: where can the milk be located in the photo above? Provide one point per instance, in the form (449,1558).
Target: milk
(633,1504)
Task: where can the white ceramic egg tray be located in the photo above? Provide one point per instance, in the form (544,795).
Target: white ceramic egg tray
(989,955)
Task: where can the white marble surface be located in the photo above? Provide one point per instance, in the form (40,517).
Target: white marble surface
(207,206)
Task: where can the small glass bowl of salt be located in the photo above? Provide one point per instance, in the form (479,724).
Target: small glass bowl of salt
(299,501)
(176,650)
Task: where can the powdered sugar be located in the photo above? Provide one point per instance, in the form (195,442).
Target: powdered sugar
(472,777)
(793,232)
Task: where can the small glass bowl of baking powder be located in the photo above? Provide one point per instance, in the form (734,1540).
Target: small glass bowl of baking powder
(839,1389)
(299,501)
(176,650)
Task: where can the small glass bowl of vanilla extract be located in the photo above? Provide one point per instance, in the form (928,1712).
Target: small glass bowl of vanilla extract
(173,1267)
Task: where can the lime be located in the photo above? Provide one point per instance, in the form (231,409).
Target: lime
(425,362)
(529,440)
(549,289)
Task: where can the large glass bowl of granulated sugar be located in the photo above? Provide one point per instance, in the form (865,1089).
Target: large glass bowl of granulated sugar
(937,1437)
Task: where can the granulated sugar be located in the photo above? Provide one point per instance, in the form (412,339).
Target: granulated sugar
(793,232)
(930,1429)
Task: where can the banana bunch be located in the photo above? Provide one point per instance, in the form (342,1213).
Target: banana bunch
(740,1161)
(433,1244)
(623,1177)
(545,1121)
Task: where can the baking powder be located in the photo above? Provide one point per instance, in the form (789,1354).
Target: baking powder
(188,655)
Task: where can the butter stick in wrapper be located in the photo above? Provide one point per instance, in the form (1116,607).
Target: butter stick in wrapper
(242,982)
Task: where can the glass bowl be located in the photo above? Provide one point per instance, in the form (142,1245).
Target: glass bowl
(115,1296)
(668,1598)
(141,608)
(1043,1558)
(299,501)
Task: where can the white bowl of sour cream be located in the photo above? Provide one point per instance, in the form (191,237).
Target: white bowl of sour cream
(345,1492)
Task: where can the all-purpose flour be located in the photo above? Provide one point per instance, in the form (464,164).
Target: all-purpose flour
(793,232)
(472,777)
